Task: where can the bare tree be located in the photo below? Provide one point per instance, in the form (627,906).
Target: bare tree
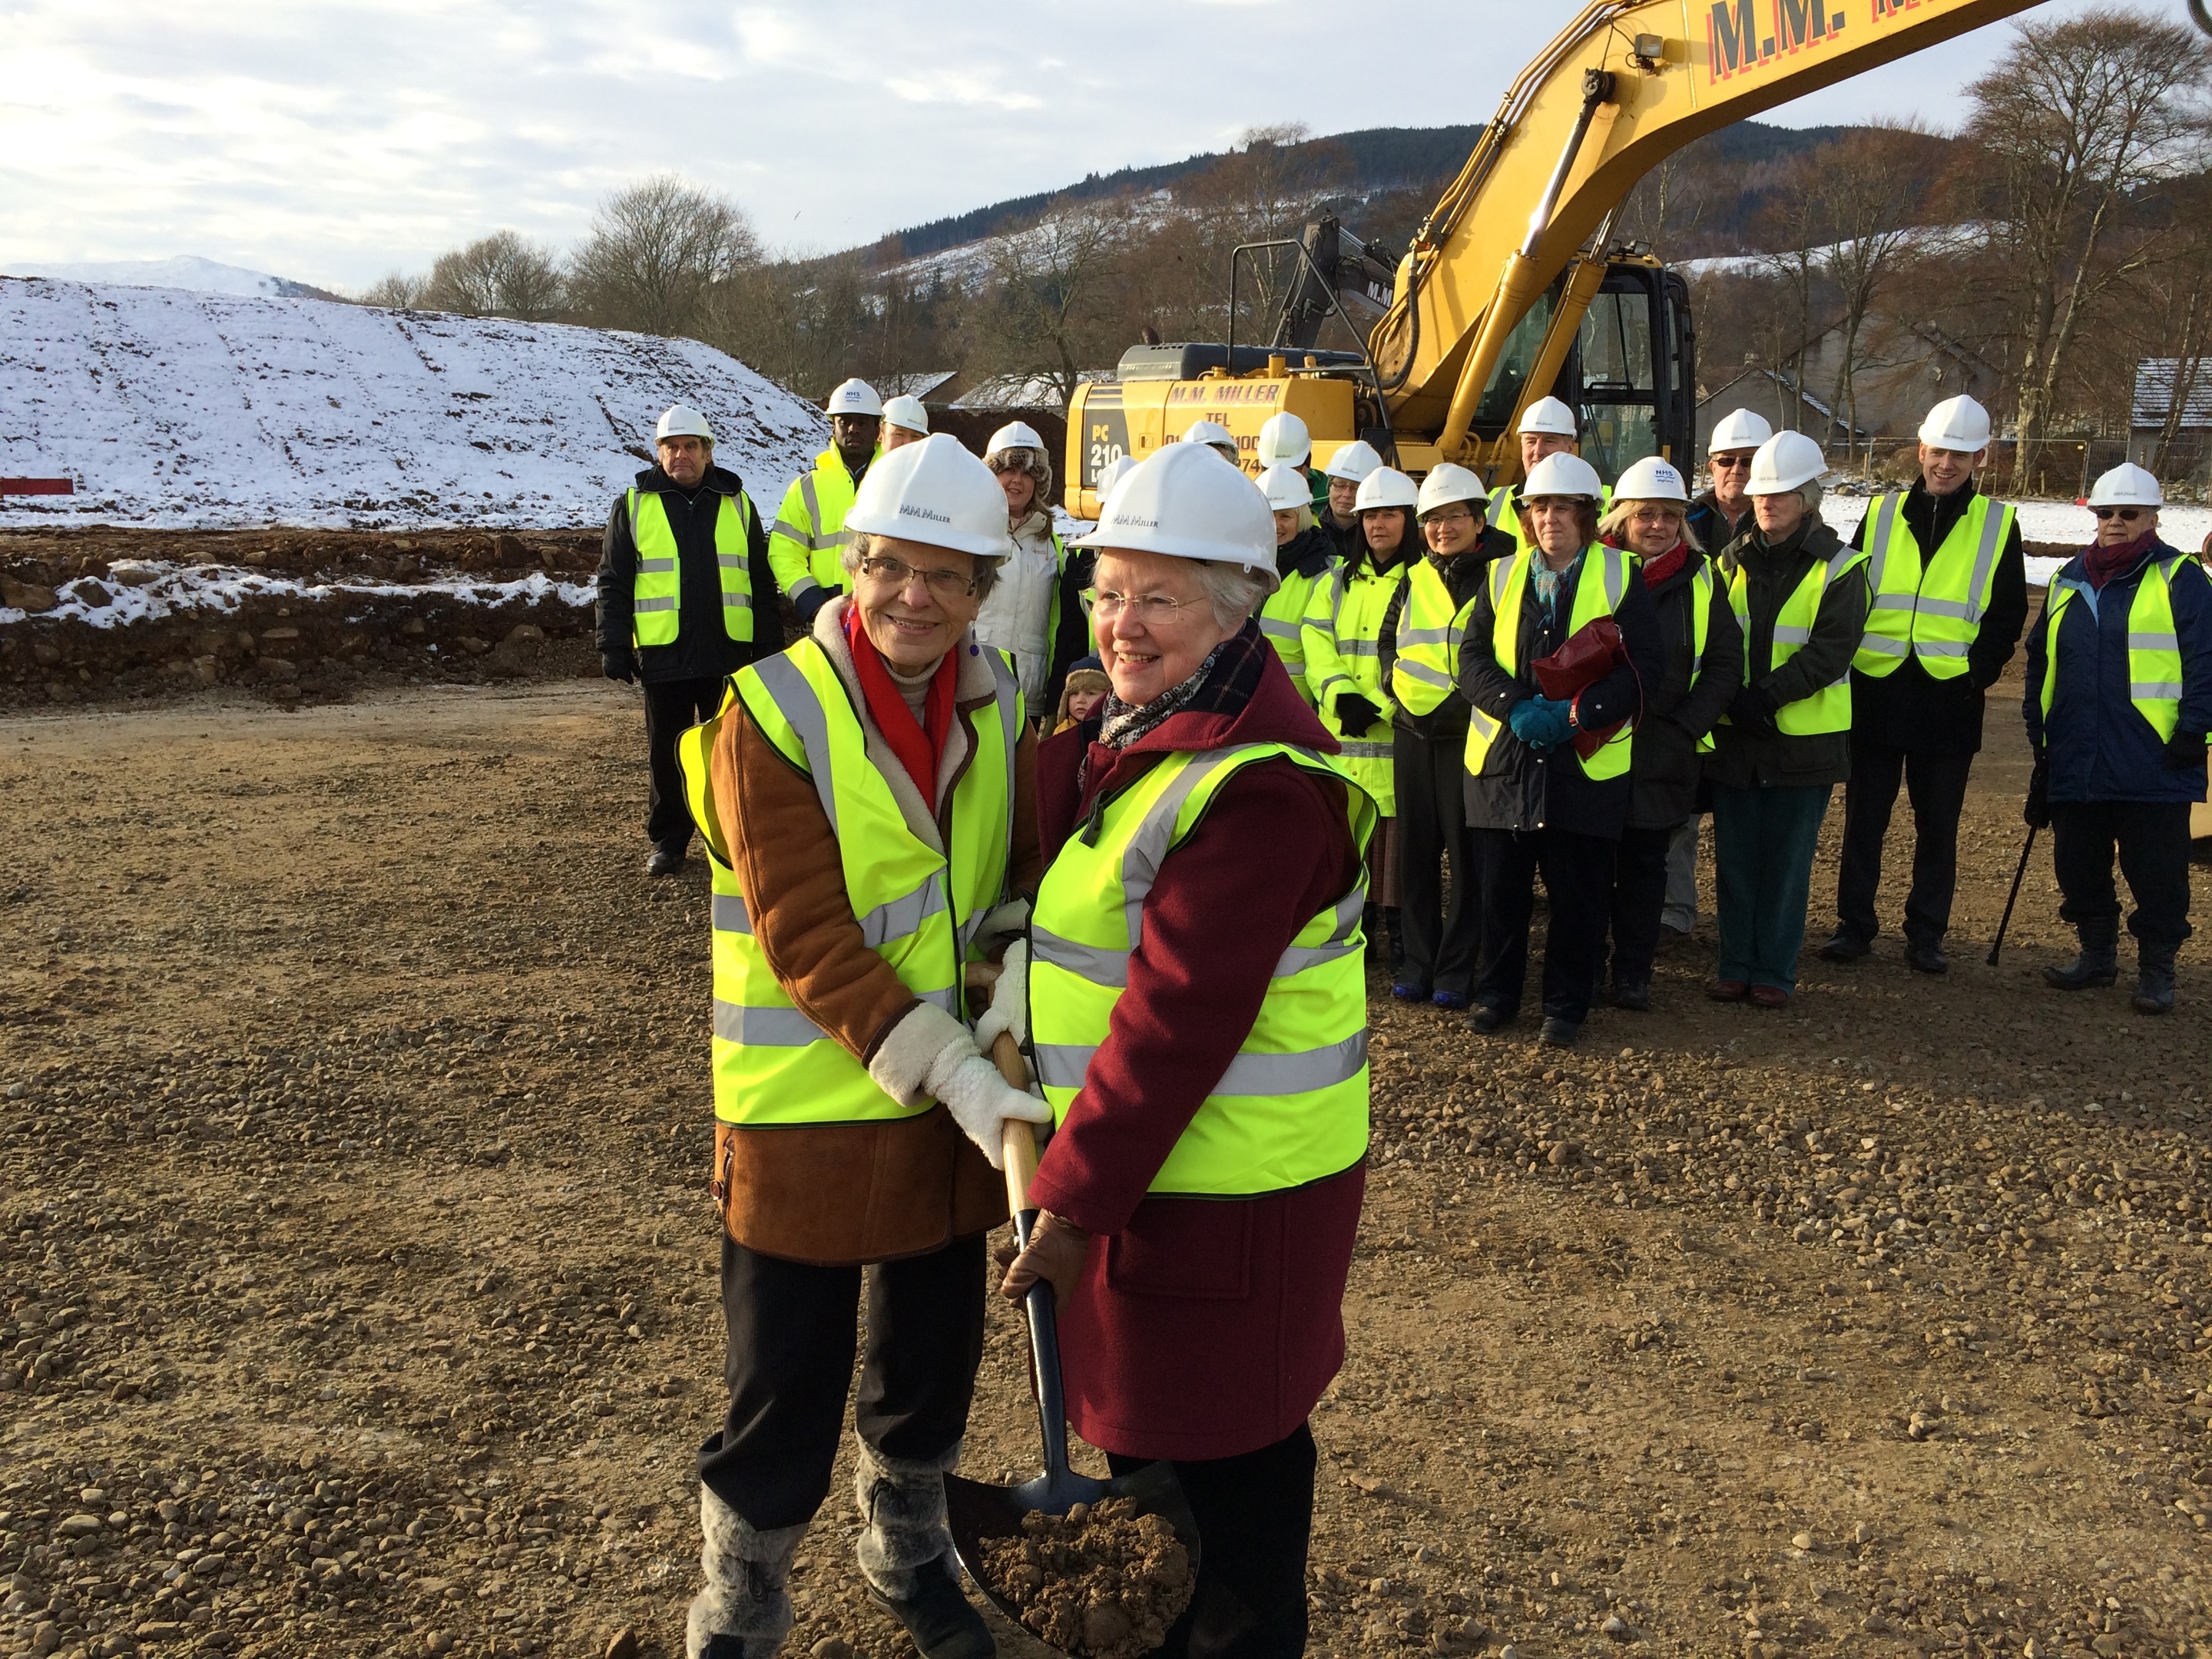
(1052,313)
(797,321)
(501,275)
(655,254)
(1793,225)
(398,290)
(2079,115)
(1869,206)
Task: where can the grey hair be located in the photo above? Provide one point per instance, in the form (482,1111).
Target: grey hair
(1810,493)
(987,567)
(1233,591)
(1034,462)
(1614,524)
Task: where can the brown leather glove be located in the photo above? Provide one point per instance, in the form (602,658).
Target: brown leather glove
(1056,1252)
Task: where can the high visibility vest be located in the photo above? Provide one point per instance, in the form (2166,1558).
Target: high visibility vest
(1293,1106)
(1342,632)
(809,538)
(1424,672)
(1828,709)
(656,590)
(1509,583)
(2154,648)
(920,913)
(1282,620)
(1701,628)
(1930,609)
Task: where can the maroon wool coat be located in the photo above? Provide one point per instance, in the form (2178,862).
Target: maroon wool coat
(1202,1327)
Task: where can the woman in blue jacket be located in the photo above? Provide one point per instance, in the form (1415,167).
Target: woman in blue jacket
(2119,698)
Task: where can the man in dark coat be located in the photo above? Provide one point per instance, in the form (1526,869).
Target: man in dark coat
(696,514)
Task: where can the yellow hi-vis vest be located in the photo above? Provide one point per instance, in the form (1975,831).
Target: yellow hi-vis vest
(655,590)
(1509,582)
(1701,628)
(1343,637)
(1828,709)
(1504,512)
(1282,620)
(2154,648)
(921,913)
(808,538)
(1424,671)
(1293,1106)
(1930,609)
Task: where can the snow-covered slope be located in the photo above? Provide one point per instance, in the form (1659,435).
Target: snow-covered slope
(203,410)
(186,271)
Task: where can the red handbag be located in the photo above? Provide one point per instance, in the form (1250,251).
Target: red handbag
(1587,656)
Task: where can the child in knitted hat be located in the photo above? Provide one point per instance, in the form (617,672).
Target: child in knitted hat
(1087,686)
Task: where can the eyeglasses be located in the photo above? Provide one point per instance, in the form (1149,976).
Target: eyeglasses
(1153,609)
(897,573)
(1459,514)
(1728,463)
(2124,514)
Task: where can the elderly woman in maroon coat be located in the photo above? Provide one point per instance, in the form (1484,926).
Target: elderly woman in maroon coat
(1195,1329)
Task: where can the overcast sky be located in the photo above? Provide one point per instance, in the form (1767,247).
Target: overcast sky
(333,141)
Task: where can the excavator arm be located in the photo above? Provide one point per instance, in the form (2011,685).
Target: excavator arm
(1626,85)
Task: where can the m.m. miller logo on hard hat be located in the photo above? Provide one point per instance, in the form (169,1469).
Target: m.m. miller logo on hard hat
(909,510)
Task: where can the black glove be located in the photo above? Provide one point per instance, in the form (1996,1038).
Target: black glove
(619,665)
(2037,811)
(812,600)
(2184,751)
(1754,708)
(1355,714)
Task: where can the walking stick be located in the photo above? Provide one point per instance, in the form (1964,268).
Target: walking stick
(2012,897)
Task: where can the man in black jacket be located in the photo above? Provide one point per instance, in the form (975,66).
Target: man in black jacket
(1949,583)
(686,600)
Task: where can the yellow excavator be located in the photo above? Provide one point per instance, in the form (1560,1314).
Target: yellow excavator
(1456,347)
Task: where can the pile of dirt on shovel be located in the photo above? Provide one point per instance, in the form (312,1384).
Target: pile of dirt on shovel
(1101,1582)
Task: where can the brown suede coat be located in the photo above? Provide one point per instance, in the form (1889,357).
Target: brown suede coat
(848,1193)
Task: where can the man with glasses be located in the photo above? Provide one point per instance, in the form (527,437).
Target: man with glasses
(2119,697)
(1949,583)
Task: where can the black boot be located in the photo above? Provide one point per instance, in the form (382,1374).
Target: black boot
(2154,979)
(2098,964)
(941,1621)
(1397,940)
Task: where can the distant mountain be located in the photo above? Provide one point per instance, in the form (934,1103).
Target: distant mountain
(188,271)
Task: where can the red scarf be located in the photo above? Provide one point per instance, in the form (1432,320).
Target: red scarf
(1657,570)
(920,746)
(2101,564)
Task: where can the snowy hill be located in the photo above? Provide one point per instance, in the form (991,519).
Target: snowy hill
(190,271)
(201,410)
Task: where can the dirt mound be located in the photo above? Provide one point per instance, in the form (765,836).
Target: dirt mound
(1103,1582)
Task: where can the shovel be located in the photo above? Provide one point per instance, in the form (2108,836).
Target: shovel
(978,1512)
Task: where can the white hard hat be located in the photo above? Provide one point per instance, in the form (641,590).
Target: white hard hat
(907,413)
(1284,441)
(1958,423)
(1549,415)
(1652,480)
(1211,432)
(2125,485)
(1385,487)
(1562,475)
(1354,462)
(1015,435)
(1285,488)
(1176,503)
(1786,461)
(855,397)
(1450,482)
(936,492)
(1739,430)
(1112,474)
(682,420)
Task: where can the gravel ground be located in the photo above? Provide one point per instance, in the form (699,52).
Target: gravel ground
(358,1283)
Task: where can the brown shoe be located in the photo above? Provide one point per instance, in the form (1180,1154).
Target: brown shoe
(1669,938)
(1727,990)
(1769,996)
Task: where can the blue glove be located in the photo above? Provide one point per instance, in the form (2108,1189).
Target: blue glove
(1541,722)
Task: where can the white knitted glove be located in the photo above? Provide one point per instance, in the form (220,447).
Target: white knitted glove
(980,1100)
(1010,1001)
(1007,921)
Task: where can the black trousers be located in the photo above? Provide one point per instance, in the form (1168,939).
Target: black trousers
(2152,839)
(790,1361)
(1441,931)
(672,708)
(1937,785)
(1639,900)
(1577,874)
(1255,1515)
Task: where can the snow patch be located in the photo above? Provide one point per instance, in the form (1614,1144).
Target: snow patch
(188,271)
(223,588)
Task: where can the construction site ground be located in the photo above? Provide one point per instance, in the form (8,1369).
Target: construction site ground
(358,1276)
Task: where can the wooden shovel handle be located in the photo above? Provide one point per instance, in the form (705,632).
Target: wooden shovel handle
(1019,1147)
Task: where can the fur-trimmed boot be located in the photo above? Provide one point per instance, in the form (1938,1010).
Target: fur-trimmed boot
(905,1554)
(744,1612)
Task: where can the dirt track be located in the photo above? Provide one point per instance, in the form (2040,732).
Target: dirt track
(358,1293)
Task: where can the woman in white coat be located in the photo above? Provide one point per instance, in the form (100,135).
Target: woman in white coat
(1021,614)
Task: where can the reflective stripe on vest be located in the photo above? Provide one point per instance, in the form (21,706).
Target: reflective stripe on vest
(773,1064)
(2154,682)
(809,535)
(1291,1108)
(1343,651)
(1509,584)
(1701,628)
(657,590)
(1422,675)
(1828,709)
(1282,620)
(1930,610)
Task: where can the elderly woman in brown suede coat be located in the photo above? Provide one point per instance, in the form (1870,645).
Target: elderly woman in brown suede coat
(867,799)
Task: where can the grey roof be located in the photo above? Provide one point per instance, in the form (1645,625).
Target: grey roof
(2154,382)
